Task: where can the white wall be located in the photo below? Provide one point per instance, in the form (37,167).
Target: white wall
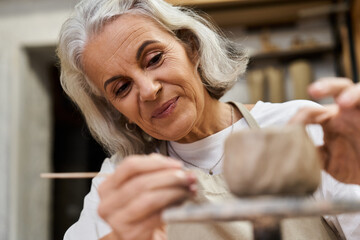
(25,122)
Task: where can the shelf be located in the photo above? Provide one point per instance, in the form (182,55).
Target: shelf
(252,12)
(294,53)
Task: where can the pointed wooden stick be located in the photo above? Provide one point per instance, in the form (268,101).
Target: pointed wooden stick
(73,175)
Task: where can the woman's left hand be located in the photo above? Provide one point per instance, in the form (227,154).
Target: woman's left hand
(340,153)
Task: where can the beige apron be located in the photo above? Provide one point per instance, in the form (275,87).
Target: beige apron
(212,188)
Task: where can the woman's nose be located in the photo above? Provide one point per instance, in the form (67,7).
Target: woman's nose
(149,89)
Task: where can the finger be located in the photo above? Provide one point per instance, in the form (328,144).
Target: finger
(119,198)
(329,87)
(349,98)
(313,115)
(135,165)
(138,164)
(141,230)
(151,202)
(160,234)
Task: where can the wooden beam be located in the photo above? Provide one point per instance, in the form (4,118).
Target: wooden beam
(211,3)
(260,16)
(247,13)
(201,2)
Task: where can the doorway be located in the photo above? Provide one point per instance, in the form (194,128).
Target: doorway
(72,147)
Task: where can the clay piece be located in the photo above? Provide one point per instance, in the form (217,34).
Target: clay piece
(301,76)
(266,43)
(271,161)
(255,84)
(275,80)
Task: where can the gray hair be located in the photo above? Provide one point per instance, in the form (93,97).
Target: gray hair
(220,63)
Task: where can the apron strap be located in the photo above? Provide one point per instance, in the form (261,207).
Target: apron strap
(247,115)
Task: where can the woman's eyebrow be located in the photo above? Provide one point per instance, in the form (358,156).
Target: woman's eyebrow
(142,47)
(110,80)
(138,55)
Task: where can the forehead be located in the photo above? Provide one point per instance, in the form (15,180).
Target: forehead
(126,33)
(117,44)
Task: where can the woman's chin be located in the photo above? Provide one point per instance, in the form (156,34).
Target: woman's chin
(168,135)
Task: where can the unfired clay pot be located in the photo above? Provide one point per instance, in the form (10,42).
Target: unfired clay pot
(255,82)
(301,76)
(275,79)
(275,161)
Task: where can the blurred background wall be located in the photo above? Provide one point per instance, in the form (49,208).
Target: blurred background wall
(41,131)
(291,43)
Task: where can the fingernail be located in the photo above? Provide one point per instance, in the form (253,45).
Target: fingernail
(317,86)
(191,177)
(193,188)
(345,100)
(180,174)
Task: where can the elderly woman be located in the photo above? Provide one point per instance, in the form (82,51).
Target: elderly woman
(147,76)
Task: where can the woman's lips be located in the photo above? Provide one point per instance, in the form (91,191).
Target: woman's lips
(166,109)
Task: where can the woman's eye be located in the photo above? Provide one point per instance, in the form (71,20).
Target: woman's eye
(121,91)
(156,59)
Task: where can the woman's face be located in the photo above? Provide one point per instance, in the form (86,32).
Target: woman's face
(147,75)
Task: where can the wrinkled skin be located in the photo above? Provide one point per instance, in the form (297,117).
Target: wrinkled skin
(133,197)
(340,154)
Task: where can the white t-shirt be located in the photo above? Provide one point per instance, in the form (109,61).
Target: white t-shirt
(91,226)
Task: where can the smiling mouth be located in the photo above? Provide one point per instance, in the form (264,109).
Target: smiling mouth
(166,109)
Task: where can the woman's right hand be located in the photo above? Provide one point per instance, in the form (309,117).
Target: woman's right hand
(133,197)
(340,154)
